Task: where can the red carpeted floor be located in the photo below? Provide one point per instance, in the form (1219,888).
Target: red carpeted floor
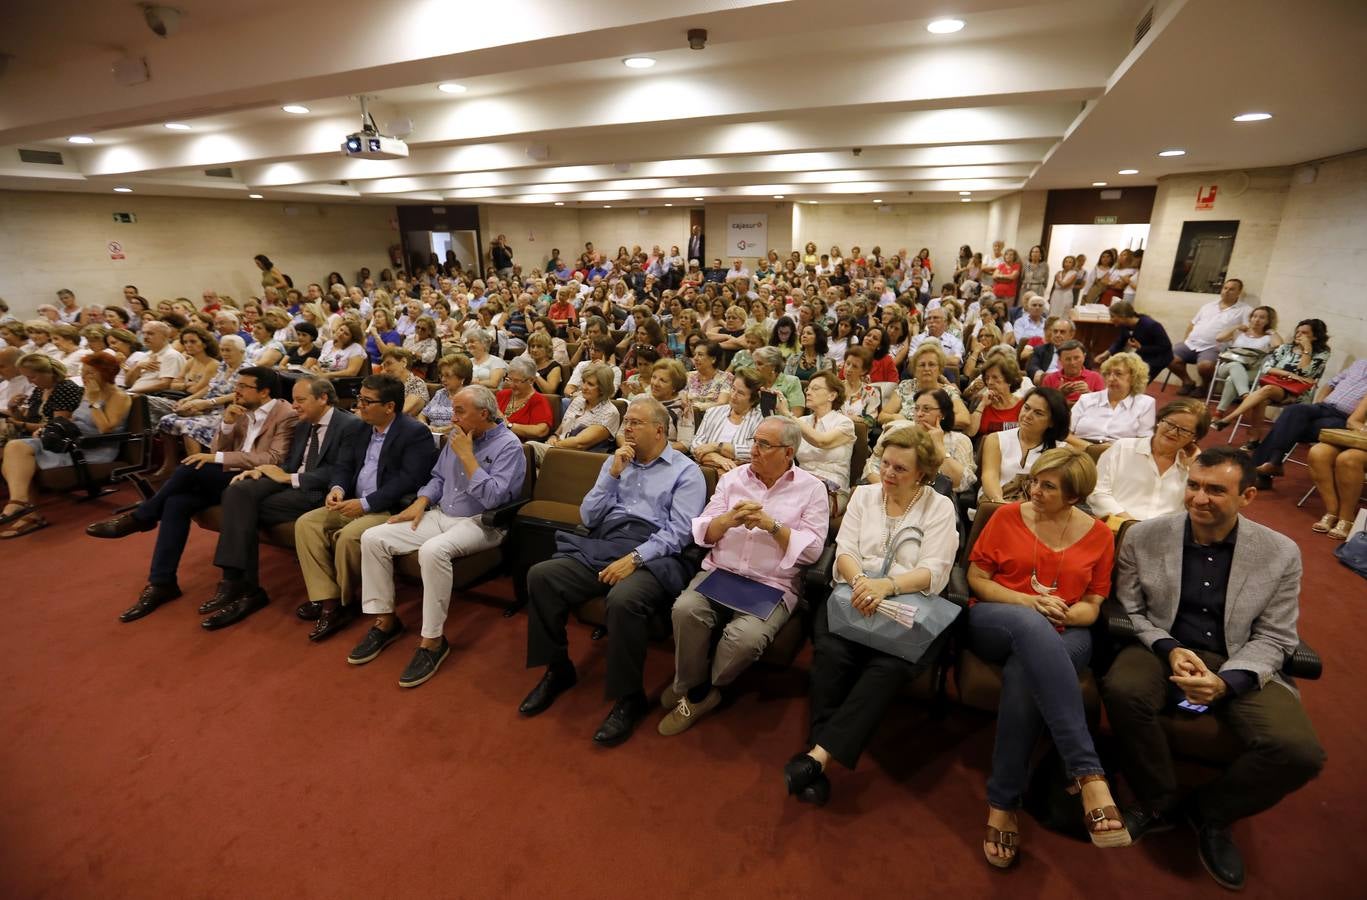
(157,760)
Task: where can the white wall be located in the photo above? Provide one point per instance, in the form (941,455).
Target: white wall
(714,230)
(178,246)
(942,227)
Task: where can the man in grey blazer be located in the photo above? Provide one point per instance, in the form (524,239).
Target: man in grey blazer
(1214,604)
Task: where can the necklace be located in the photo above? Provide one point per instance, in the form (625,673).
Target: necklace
(1035,584)
(890,527)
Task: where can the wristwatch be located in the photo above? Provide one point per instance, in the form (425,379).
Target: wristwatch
(98,404)
(636,559)
(778,526)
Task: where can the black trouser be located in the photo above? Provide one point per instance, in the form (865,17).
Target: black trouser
(1295,423)
(554,586)
(1281,752)
(852,686)
(251,505)
(186,492)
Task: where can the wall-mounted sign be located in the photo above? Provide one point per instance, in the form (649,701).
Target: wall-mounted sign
(1106,220)
(1205,196)
(747,232)
(125,218)
(116,250)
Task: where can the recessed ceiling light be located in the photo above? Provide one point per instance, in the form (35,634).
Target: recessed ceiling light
(254,196)
(965,193)
(1252,117)
(699,199)
(1173,152)
(778,196)
(669,204)
(177,126)
(295,108)
(80,139)
(450,87)
(606,206)
(638,62)
(559,203)
(878,201)
(1098,184)
(965,199)
(123,190)
(1128,172)
(945,26)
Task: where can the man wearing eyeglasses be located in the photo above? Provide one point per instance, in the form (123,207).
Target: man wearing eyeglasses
(638,514)
(385,466)
(766,520)
(481,468)
(256,430)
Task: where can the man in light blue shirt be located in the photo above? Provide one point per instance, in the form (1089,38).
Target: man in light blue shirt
(639,514)
(482,467)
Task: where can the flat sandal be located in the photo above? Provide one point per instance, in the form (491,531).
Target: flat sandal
(1007,839)
(1093,818)
(1326,522)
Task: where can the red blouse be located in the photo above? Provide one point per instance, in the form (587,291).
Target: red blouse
(536,411)
(884,369)
(995,420)
(1006,288)
(1007,550)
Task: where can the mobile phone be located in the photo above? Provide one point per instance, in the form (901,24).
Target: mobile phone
(1191,707)
(768,402)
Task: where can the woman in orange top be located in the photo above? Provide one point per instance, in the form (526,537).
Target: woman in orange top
(1038,573)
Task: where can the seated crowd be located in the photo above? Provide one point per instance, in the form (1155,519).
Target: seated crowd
(386,418)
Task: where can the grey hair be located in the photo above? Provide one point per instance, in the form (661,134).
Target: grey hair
(234,340)
(791,435)
(522,366)
(320,388)
(769,356)
(483,336)
(658,414)
(484,399)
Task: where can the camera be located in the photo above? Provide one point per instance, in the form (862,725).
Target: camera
(163,20)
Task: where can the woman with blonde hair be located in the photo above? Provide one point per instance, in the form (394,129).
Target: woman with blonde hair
(1122,410)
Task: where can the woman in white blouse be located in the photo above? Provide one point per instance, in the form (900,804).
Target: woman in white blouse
(852,684)
(1008,454)
(827,436)
(726,433)
(1123,410)
(488,369)
(933,409)
(1249,343)
(1140,478)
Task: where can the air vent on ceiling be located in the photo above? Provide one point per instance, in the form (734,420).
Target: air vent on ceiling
(46,157)
(1143,27)
(219,173)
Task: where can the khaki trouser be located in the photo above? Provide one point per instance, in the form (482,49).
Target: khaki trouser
(744,638)
(329,548)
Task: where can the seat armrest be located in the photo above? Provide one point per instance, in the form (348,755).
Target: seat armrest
(1303,662)
(501,516)
(816,578)
(1117,620)
(956,591)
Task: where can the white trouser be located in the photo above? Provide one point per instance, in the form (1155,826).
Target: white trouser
(439,538)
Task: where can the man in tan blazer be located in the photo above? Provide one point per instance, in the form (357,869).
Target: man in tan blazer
(1213,598)
(256,431)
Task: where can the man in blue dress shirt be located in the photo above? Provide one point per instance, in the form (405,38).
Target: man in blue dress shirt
(482,467)
(639,515)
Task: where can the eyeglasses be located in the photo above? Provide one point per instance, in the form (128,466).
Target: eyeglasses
(765,445)
(636,423)
(367,401)
(1178,429)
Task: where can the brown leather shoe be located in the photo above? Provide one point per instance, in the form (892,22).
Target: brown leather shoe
(119,526)
(225,593)
(330,621)
(152,596)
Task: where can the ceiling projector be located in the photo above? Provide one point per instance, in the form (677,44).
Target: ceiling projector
(373,145)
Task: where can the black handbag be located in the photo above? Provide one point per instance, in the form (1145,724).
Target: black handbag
(60,435)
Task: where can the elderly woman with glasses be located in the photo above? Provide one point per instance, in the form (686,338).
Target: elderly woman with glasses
(1038,572)
(725,434)
(1146,477)
(455,374)
(591,419)
(526,412)
(397,362)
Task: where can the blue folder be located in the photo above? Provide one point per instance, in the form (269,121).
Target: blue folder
(741,594)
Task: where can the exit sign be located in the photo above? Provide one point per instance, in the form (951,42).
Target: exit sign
(1106,220)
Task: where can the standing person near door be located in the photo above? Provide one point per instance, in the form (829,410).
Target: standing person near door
(502,256)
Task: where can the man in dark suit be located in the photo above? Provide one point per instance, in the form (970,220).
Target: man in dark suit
(270,495)
(1044,358)
(381,471)
(696,244)
(1213,598)
(256,430)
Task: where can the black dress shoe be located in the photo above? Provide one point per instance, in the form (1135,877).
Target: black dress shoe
(375,640)
(309,610)
(1139,822)
(331,621)
(799,772)
(152,596)
(626,714)
(818,792)
(424,665)
(554,683)
(237,610)
(225,593)
(119,526)
(1263,482)
(1218,853)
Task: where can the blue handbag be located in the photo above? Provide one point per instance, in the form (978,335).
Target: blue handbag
(1353,553)
(932,613)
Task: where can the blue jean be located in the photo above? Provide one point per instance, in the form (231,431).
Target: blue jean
(1040,668)
(1296,423)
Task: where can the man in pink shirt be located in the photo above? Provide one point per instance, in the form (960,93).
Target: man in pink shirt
(765,521)
(1071,378)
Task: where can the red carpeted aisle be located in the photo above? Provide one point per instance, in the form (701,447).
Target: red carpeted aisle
(157,760)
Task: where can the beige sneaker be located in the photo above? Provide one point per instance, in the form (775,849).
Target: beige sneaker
(683,716)
(669,697)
